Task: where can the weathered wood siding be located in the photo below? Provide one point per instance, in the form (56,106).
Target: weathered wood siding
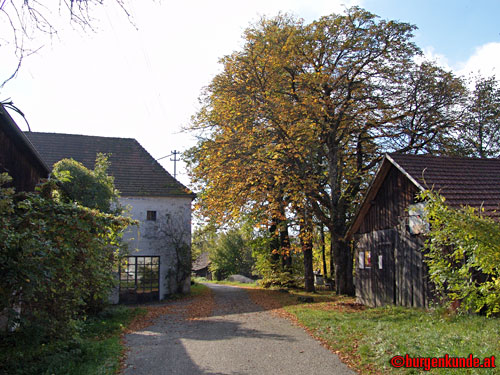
(397,274)
(17,158)
(390,204)
(375,286)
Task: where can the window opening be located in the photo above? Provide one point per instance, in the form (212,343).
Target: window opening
(151,215)
(140,279)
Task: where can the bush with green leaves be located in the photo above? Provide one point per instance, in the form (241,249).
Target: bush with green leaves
(269,266)
(91,188)
(463,255)
(57,259)
(230,255)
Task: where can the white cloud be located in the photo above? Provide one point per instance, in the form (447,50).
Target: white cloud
(430,54)
(485,61)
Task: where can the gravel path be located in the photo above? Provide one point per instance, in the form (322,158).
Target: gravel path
(238,339)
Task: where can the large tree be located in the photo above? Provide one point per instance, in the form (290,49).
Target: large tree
(479,133)
(302,114)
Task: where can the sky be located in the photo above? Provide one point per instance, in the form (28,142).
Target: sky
(141,77)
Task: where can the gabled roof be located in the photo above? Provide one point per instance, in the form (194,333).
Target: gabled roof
(462,181)
(135,171)
(203,261)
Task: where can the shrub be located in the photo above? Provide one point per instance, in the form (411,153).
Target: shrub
(57,259)
(90,188)
(463,255)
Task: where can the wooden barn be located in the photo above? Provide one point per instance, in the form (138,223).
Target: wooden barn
(388,232)
(201,266)
(18,157)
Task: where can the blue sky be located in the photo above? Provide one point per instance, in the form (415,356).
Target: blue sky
(144,83)
(454,28)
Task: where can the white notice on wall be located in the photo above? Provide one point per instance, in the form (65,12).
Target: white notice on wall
(380,262)
(361,259)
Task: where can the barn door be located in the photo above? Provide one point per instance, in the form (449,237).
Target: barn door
(383,281)
(140,279)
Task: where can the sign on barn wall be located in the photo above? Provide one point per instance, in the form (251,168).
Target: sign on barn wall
(416,221)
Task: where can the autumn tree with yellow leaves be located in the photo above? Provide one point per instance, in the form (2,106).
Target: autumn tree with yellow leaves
(292,127)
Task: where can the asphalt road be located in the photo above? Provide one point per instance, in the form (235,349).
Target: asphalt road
(238,339)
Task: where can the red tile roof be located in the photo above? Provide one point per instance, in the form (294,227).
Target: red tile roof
(462,181)
(135,171)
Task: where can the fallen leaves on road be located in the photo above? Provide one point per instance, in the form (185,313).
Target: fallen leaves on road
(143,321)
(274,301)
(202,306)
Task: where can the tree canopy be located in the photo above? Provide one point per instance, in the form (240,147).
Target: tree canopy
(298,118)
(479,134)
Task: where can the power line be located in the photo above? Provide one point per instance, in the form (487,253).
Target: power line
(175,160)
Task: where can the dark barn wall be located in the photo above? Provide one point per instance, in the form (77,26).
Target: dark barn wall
(401,278)
(390,203)
(17,158)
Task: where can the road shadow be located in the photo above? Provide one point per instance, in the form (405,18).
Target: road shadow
(162,347)
(177,343)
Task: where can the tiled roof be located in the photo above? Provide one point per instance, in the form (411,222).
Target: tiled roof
(135,171)
(203,261)
(462,181)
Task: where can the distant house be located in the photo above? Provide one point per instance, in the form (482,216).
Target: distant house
(201,266)
(160,250)
(18,157)
(388,230)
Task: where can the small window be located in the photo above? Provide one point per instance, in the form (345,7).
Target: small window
(361,260)
(151,216)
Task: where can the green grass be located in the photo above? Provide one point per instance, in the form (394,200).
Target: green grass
(96,350)
(223,282)
(198,289)
(373,336)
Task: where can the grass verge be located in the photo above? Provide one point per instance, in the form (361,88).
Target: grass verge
(223,282)
(367,338)
(96,350)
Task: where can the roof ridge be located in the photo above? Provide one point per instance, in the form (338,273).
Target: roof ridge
(78,135)
(440,157)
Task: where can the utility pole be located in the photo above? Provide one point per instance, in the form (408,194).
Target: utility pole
(175,160)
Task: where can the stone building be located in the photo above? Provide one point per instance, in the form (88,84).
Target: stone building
(159,262)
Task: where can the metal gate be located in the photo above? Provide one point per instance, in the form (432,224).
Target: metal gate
(140,279)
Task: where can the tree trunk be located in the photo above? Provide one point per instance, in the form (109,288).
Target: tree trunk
(332,260)
(286,260)
(306,242)
(341,251)
(274,244)
(344,282)
(323,255)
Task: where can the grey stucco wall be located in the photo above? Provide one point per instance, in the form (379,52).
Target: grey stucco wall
(168,237)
